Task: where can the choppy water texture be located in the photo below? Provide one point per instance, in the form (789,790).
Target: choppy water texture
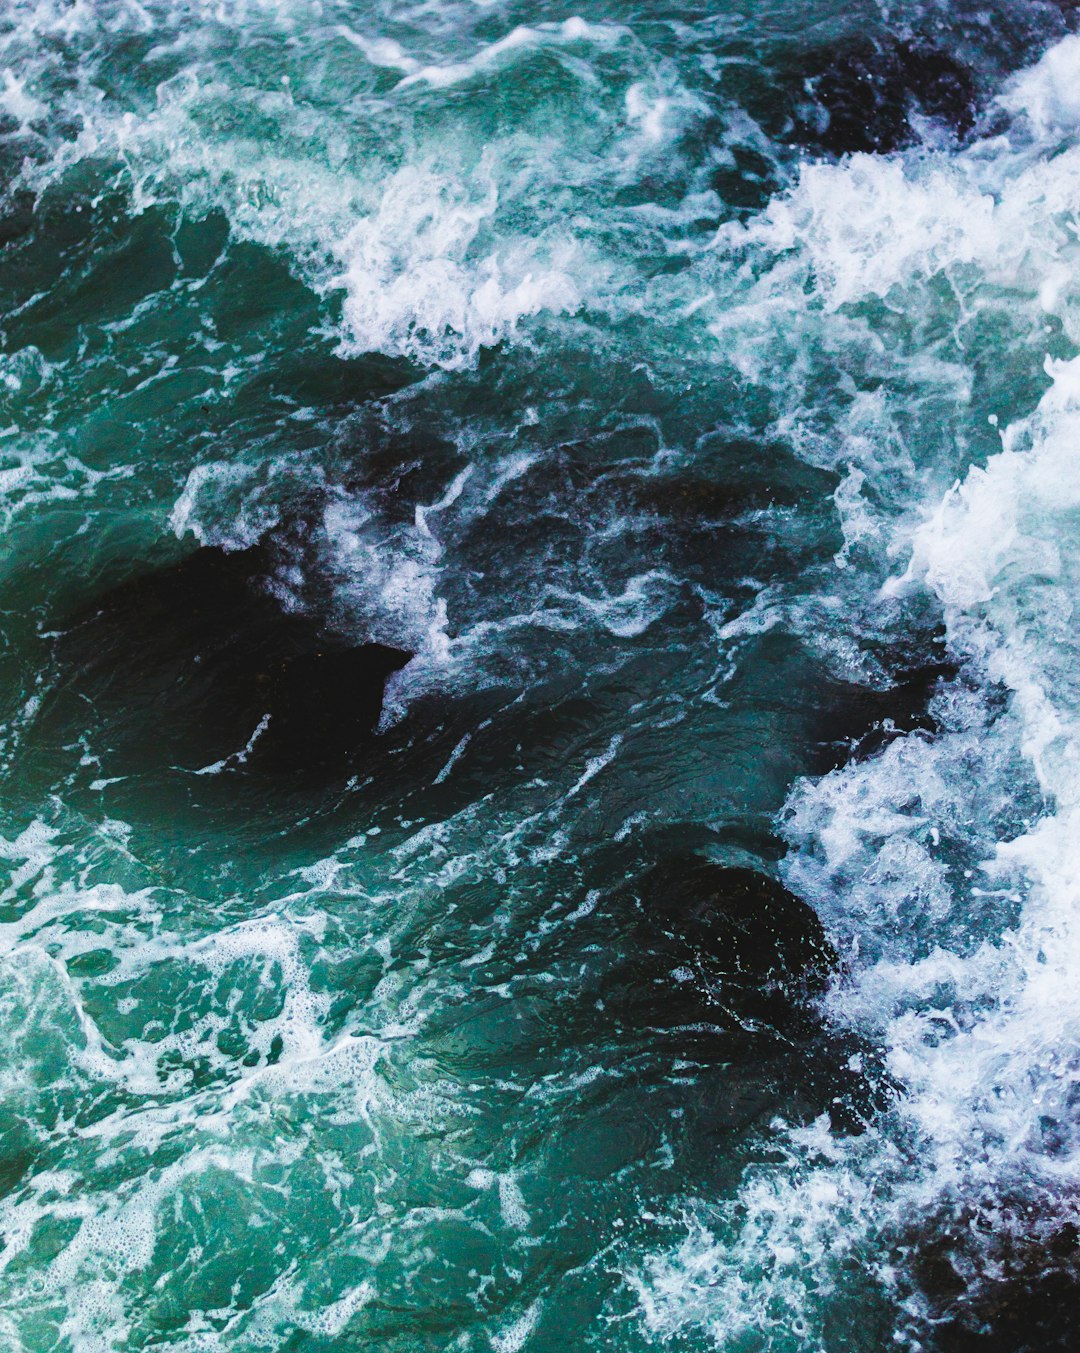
(692,395)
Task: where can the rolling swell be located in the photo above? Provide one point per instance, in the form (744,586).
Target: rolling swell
(676,951)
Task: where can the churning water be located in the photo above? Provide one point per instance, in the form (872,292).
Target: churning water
(677,407)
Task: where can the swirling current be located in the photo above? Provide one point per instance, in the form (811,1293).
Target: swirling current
(539,715)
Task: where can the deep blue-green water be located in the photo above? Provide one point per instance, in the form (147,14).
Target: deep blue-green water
(677,407)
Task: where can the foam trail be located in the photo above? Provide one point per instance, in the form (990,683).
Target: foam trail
(522,37)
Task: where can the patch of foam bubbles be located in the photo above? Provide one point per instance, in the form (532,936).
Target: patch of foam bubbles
(186,1124)
(420,281)
(859,298)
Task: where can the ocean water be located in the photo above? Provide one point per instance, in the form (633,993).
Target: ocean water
(679,952)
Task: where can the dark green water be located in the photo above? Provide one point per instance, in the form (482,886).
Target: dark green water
(722,487)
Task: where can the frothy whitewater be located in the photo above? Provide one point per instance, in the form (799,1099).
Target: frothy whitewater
(724,489)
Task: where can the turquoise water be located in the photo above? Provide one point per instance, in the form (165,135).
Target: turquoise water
(720,487)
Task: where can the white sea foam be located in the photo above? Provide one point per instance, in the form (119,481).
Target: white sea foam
(37,468)
(946,866)
(422,244)
(522,38)
(421,281)
(429,239)
(1048,95)
(199,1150)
